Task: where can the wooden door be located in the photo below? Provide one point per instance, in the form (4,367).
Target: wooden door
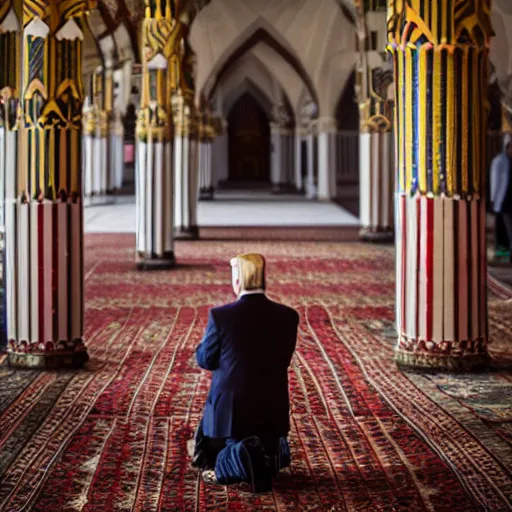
(249,141)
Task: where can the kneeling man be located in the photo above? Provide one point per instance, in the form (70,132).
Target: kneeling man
(248,345)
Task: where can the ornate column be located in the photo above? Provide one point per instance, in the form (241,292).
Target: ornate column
(115,133)
(185,148)
(326,158)
(44,211)
(154,188)
(376,177)
(374,75)
(96,166)
(9,112)
(440,54)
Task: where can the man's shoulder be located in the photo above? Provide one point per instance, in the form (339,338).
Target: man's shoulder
(219,310)
(286,310)
(230,308)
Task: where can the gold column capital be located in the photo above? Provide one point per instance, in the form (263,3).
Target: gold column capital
(375,109)
(440,57)
(162,69)
(10,75)
(419,22)
(53,94)
(89,121)
(184,114)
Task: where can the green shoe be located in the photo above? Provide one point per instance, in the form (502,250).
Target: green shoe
(502,253)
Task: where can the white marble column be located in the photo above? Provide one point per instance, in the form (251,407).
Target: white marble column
(311,190)
(326,158)
(376,185)
(153,171)
(154,154)
(97,171)
(116,150)
(96,168)
(185,169)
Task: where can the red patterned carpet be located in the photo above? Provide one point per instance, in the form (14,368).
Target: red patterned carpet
(364,435)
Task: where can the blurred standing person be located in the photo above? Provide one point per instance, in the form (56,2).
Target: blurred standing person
(501,188)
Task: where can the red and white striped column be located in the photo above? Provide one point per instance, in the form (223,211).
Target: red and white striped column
(10,35)
(441,270)
(44,211)
(441,77)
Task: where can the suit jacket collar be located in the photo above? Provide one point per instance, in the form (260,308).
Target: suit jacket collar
(251,293)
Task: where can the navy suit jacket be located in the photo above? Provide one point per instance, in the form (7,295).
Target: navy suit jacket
(248,345)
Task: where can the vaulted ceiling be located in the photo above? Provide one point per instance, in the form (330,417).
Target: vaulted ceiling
(307,45)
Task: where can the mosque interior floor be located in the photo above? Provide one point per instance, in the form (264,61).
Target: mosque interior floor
(229,209)
(364,435)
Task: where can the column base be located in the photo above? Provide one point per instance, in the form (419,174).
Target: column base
(156,263)
(311,191)
(376,235)
(191,233)
(48,361)
(206,194)
(282,188)
(438,362)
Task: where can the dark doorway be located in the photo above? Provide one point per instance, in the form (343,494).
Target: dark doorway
(347,148)
(249,141)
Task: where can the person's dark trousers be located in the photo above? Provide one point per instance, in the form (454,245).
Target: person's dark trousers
(500,234)
(252,460)
(206,449)
(507,222)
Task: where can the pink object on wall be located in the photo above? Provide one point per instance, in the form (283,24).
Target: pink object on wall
(129,150)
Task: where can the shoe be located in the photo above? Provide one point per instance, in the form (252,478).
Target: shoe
(190,448)
(209,477)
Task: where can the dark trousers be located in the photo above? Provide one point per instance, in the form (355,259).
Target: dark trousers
(505,218)
(253,460)
(500,233)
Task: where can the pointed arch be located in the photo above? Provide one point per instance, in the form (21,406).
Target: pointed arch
(248,86)
(260,31)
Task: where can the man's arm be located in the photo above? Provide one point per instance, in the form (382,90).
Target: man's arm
(295,332)
(208,351)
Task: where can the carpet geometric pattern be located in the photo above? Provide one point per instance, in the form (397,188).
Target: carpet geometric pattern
(364,436)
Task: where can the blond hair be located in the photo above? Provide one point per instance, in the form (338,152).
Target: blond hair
(251,271)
